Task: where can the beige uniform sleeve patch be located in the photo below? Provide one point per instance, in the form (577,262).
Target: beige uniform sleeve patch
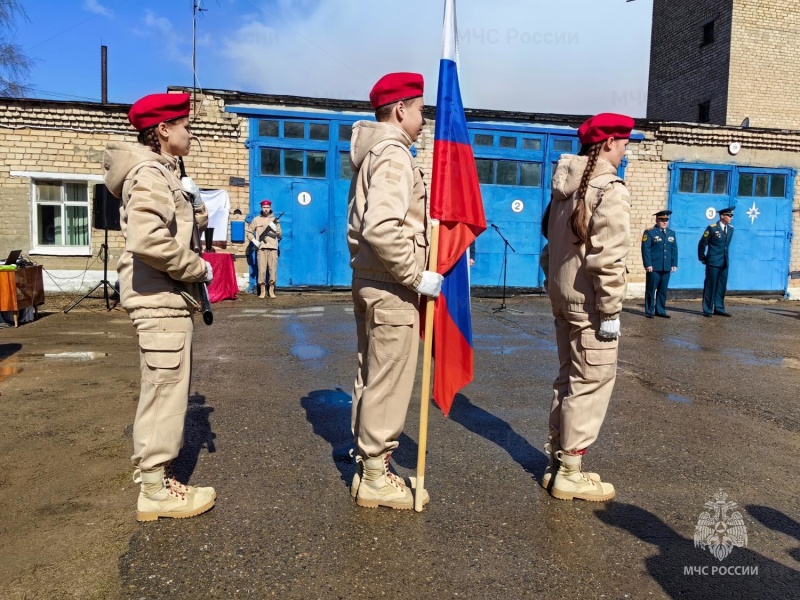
(393,176)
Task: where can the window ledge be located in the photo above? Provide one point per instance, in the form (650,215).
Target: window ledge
(60,251)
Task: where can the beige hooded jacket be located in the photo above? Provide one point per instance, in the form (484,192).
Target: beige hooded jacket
(587,278)
(158,262)
(257,226)
(387,217)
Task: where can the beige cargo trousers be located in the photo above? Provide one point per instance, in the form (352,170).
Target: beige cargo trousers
(387,324)
(165,360)
(586,375)
(267,261)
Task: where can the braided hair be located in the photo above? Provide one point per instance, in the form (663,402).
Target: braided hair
(577,220)
(149,137)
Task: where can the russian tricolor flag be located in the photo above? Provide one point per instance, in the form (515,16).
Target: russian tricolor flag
(456,203)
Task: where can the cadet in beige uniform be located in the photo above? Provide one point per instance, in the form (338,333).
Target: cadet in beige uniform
(267,228)
(387,233)
(588,231)
(158,275)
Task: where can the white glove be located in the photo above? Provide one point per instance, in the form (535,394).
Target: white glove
(609,330)
(209,273)
(191,189)
(254,241)
(431,284)
(272,226)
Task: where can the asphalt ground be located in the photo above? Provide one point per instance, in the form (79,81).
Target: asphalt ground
(700,405)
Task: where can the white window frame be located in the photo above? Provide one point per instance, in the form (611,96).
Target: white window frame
(47,177)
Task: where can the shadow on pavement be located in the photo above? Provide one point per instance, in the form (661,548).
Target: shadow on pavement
(684,571)
(494,429)
(197,435)
(777,521)
(328,411)
(783,313)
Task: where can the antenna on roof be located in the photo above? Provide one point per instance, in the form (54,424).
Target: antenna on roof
(195,9)
(746,123)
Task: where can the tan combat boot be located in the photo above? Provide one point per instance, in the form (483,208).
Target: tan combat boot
(378,486)
(571,483)
(157,500)
(171,482)
(550,449)
(272,290)
(262,291)
(410,482)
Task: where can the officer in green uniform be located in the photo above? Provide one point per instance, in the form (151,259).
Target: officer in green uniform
(660,258)
(713,253)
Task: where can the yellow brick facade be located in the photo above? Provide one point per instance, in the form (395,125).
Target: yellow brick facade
(765,64)
(41,136)
(749,70)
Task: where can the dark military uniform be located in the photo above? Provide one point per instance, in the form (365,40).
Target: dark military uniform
(713,253)
(660,251)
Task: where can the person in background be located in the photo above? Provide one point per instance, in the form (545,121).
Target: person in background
(713,253)
(660,259)
(587,226)
(264,232)
(158,275)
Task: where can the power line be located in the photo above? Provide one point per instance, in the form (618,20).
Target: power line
(63,32)
(62,95)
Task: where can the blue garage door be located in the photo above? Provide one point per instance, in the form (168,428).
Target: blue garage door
(513,169)
(295,162)
(759,253)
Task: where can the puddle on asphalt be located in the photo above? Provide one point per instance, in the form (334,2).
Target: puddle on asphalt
(679,399)
(683,344)
(332,397)
(308,351)
(748,357)
(303,349)
(108,334)
(499,344)
(79,356)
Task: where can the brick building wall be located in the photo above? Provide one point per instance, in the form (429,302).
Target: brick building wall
(69,138)
(765,64)
(683,72)
(747,71)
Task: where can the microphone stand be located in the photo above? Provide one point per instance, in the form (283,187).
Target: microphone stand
(506,246)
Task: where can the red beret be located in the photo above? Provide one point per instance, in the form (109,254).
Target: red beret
(603,126)
(156,108)
(266,203)
(396,86)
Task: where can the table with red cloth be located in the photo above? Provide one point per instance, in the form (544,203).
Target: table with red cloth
(224,286)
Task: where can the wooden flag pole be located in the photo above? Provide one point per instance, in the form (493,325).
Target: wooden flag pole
(426,374)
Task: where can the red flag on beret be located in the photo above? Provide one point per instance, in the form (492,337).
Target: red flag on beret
(156,108)
(603,126)
(396,86)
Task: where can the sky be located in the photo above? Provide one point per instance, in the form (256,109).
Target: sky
(545,56)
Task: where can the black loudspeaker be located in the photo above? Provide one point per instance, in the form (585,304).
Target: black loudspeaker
(105,209)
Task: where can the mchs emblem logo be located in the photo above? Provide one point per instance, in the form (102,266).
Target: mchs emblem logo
(720,528)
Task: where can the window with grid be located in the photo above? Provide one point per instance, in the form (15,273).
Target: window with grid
(762,185)
(698,181)
(61,214)
(294,163)
(509,172)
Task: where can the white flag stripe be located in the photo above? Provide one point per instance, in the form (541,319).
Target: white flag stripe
(450,32)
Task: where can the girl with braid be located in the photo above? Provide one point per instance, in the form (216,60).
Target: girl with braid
(158,275)
(588,229)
